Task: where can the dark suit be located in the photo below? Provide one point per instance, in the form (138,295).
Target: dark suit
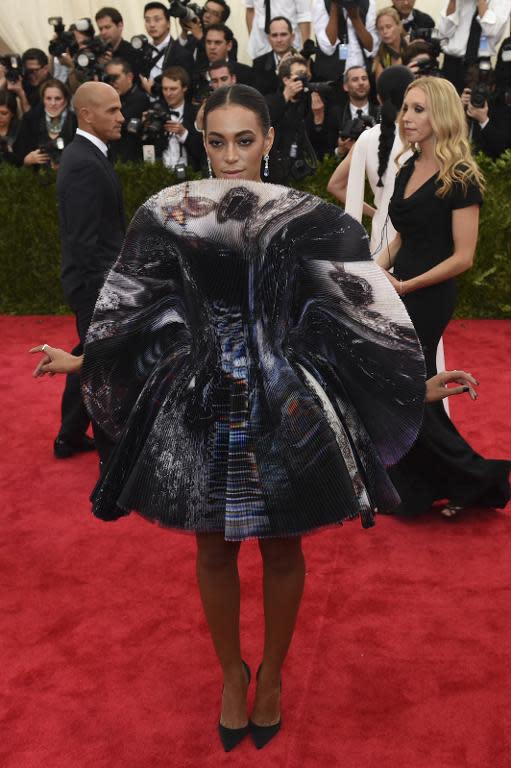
(420,20)
(92,225)
(33,132)
(339,117)
(129,147)
(194,144)
(265,75)
(244,74)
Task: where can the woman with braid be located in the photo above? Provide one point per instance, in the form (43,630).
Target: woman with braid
(373,156)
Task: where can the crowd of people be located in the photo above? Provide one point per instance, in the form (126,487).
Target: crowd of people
(316,62)
(249,369)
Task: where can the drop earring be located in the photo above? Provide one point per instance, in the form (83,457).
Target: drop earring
(266,171)
(210,169)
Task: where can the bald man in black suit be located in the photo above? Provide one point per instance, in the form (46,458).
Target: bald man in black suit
(92,226)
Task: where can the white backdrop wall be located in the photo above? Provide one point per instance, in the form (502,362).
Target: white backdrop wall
(23,24)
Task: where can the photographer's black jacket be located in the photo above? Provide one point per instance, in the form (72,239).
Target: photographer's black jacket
(420,20)
(291,119)
(265,77)
(339,117)
(33,132)
(495,138)
(194,144)
(129,146)
(91,215)
(174,55)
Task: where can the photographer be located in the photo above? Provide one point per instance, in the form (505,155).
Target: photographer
(221,74)
(110,27)
(281,38)
(488,107)
(218,42)
(258,14)
(192,31)
(34,72)
(411,18)
(470,29)
(8,126)
(134,101)
(420,57)
(176,140)
(392,41)
(298,117)
(166,52)
(346,35)
(345,122)
(47,128)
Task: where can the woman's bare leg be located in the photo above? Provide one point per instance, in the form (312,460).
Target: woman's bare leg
(283,582)
(219,586)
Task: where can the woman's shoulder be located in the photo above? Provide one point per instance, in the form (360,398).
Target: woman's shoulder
(465,190)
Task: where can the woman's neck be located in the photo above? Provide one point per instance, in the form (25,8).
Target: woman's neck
(427,152)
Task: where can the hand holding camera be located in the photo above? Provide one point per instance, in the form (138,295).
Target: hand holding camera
(293,88)
(36,157)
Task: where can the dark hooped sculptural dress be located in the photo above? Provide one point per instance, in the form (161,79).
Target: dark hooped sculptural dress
(254,366)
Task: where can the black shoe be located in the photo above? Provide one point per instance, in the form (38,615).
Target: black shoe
(231,737)
(263,734)
(64,448)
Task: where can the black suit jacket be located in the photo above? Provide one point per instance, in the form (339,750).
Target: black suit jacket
(265,76)
(92,222)
(33,132)
(244,74)
(194,143)
(129,147)
(421,20)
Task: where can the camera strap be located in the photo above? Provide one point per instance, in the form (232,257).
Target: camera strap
(474,38)
(267,16)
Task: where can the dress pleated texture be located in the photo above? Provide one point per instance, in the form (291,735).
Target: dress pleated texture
(255,368)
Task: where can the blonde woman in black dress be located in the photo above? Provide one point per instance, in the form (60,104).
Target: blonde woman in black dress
(435,211)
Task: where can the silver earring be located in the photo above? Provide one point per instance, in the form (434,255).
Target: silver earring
(210,169)
(266,171)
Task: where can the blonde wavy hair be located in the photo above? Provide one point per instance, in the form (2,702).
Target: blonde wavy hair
(452,147)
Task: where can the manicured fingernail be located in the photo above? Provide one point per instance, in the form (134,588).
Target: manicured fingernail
(466,389)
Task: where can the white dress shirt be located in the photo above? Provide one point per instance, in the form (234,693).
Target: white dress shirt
(94,139)
(355,57)
(354,110)
(157,69)
(176,151)
(296,11)
(455,29)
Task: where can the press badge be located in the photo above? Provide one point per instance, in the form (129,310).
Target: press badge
(343,51)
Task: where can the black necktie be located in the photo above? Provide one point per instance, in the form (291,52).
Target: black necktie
(360,112)
(474,38)
(267,16)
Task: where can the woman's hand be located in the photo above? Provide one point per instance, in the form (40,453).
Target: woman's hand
(36,157)
(401,286)
(437,389)
(55,361)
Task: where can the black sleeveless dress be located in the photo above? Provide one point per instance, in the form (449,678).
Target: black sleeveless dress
(254,366)
(441,465)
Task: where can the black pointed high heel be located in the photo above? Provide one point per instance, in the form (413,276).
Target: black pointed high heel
(263,734)
(231,737)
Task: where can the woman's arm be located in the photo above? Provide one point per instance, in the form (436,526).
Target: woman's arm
(338,184)
(387,257)
(56,361)
(465,226)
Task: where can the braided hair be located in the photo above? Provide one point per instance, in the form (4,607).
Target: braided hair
(391,87)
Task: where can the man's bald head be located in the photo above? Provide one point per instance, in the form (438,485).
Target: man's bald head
(98,110)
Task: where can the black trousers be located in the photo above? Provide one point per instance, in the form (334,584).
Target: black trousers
(455,70)
(75,419)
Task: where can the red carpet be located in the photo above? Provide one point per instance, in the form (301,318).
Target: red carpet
(401,657)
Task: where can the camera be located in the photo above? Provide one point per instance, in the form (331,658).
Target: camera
(480,93)
(145,51)
(184,10)
(13,67)
(309,49)
(429,35)
(180,171)
(354,128)
(65,40)
(152,126)
(427,66)
(53,149)
(309,87)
